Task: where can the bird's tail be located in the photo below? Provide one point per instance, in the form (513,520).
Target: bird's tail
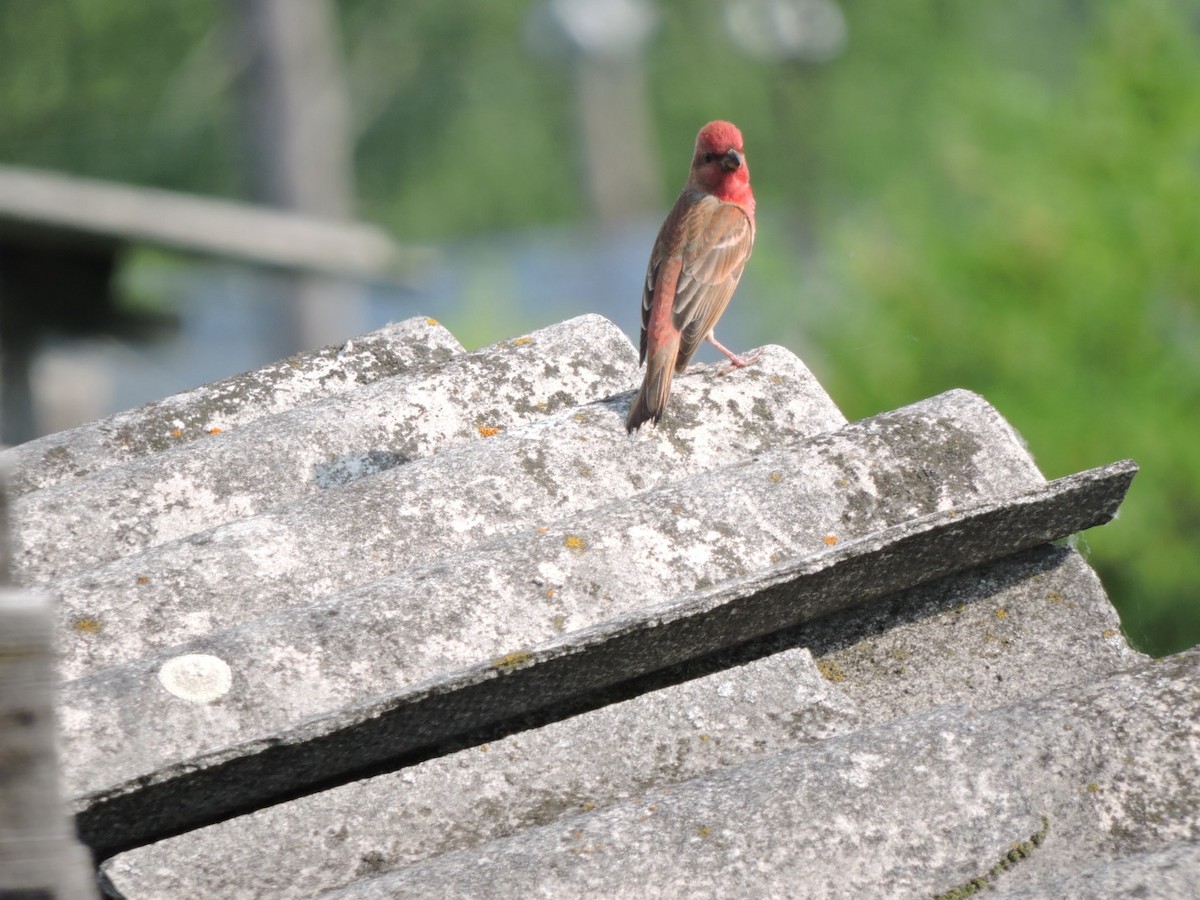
(651,398)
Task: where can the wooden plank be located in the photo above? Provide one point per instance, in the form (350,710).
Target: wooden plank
(54,206)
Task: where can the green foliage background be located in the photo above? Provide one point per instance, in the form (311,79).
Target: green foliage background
(1037,232)
(1004,197)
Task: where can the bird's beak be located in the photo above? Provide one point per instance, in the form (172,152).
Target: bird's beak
(732,160)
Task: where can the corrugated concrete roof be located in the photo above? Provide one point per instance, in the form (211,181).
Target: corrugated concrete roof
(394,619)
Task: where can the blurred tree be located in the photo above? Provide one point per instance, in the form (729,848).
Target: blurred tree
(462,131)
(296,125)
(1010,201)
(118,89)
(602,43)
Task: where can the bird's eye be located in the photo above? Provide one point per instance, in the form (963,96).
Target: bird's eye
(709,157)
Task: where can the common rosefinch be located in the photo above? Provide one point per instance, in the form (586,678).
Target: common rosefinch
(696,262)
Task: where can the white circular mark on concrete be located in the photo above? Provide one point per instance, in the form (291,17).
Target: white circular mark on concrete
(197,677)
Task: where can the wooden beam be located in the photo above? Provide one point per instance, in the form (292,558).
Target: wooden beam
(67,208)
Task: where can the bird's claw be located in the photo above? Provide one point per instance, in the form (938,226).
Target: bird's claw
(740,362)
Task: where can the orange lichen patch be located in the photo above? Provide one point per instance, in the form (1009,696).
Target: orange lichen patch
(143,580)
(522,341)
(487,431)
(542,530)
(550,592)
(431,321)
(830,670)
(575,542)
(829,540)
(510,661)
(177,432)
(214,431)
(87,625)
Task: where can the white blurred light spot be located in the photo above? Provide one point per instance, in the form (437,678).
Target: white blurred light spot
(598,28)
(812,31)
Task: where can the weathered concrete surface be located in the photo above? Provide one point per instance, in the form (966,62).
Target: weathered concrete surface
(497,788)
(1172,873)
(229,476)
(432,507)
(551,580)
(918,649)
(1013,796)
(119,715)
(1028,624)
(617,617)
(227,404)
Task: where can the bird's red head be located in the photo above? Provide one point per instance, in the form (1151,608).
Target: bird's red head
(719,165)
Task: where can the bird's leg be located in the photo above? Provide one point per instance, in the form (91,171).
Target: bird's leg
(735,361)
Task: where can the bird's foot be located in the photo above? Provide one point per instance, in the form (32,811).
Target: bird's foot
(739,362)
(735,361)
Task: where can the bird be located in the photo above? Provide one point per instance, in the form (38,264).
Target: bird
(697,260)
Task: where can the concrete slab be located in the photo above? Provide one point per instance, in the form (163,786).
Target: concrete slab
(1173,872)
(552,580)
(232,475)
(1033,622)
(1006,798)
(328,840)
(429,508)
(163,790)
(915,650)
(227,404)
(467,588)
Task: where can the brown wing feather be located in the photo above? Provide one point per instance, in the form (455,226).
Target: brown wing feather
(647,299)
(711,240)
(714,256)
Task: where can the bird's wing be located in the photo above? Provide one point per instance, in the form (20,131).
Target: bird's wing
(695,265)
(719,237)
